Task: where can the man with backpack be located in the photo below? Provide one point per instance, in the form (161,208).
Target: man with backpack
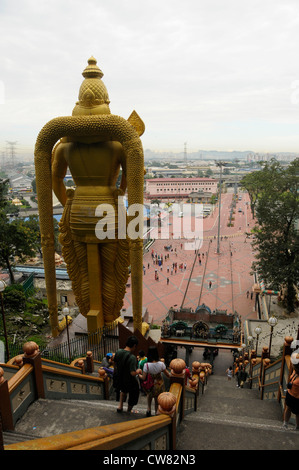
(125,374)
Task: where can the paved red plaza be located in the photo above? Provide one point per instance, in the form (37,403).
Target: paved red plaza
(226,275)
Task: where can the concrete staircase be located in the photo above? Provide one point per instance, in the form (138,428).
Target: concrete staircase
(46,418)
(228,418)
(231,418)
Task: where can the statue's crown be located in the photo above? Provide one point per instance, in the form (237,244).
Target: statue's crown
(93,95)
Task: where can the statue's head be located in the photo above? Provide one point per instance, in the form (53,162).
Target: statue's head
(93,95)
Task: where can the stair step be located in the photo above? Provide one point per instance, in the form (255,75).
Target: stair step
(235,420)
(212,433)
(240,406)
(224,398)
(51,417)
(232,418)
(12,437)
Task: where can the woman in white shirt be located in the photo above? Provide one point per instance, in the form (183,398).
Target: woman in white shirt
(154,367)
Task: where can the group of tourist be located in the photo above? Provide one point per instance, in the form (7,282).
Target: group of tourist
(292,392)
(130,373)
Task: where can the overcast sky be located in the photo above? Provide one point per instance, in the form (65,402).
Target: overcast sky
(217,74)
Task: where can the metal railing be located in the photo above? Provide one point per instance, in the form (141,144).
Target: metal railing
(100,343)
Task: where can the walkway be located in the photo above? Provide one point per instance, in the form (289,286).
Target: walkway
(229,272)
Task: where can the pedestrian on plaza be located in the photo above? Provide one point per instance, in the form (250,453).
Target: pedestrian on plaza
(292,393)
(237,374)
(229,373)
(154,367)
(251,295)
(210,284)
(167,280)
(242,376)
(247,293)
(125,374)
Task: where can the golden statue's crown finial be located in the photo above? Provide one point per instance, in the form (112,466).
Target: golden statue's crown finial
(92,70)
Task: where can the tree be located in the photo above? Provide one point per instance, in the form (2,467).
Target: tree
(18,240)
(156,201)
(33,184)
(276,234)
(253,183)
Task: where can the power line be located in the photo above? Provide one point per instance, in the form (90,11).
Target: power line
(185,152)
(12,151)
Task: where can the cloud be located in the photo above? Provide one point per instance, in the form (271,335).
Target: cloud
(188,68)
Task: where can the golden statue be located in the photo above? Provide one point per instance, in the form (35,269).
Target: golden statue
(94,145)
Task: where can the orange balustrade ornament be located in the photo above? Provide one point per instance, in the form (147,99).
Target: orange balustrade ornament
(30,349)
(193,381)
(166,403)
(102,373)
(97,246)
(18,361)
(288,340)
(195,367)
(177,367)
(202,376)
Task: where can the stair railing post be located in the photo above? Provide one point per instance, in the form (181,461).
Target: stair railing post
(264,355)
(252,356)
(5,404)
(1,434)
(266,364)
(178,367)
(32,356)
(287,351)
(89,362)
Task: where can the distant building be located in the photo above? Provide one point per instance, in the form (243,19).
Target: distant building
(180,188)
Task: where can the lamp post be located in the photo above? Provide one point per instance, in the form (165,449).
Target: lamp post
(249,339)
(2,288)
(258,331)
(220,164)
(272,322)
(65,312)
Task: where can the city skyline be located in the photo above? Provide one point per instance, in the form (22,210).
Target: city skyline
(217,76)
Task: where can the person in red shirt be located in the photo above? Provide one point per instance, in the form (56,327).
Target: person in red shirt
(187,375)
(292,394)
